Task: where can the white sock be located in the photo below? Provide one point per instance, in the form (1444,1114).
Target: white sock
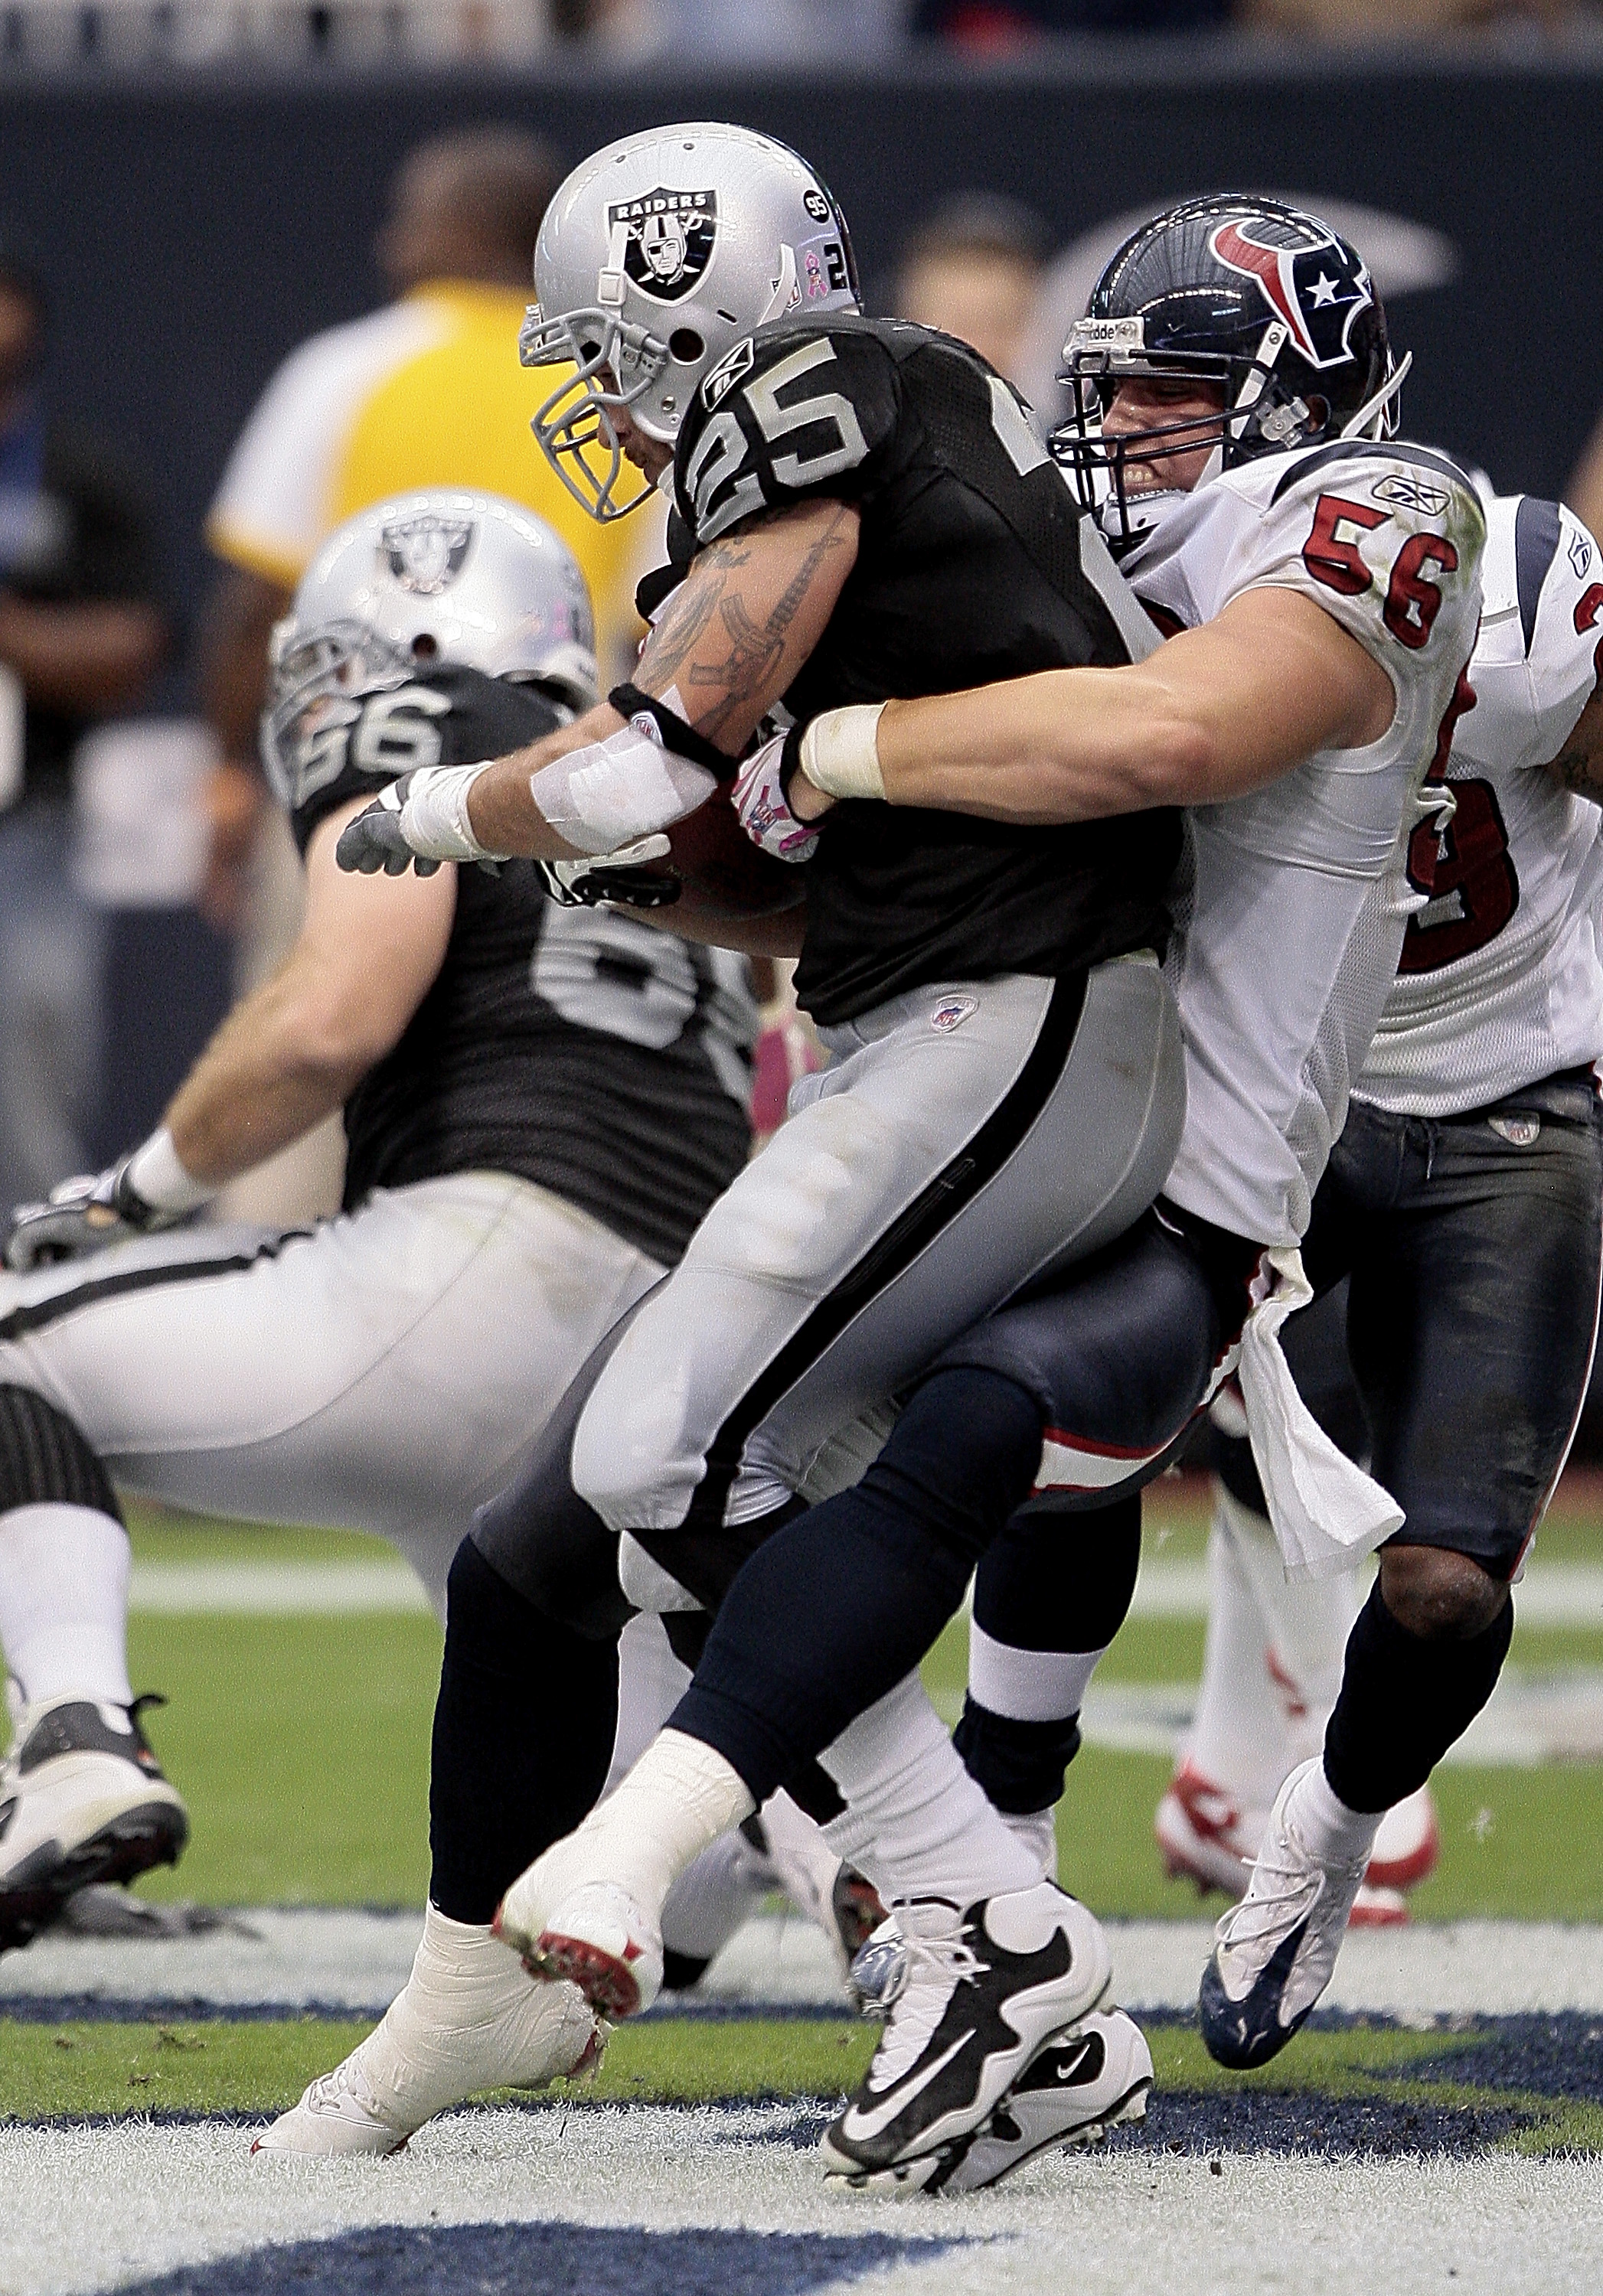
(1304,1628)
(1240,1738)
(1028,1685)
(917,1824)
(64,1602)
(675,1802)
(1331,1830)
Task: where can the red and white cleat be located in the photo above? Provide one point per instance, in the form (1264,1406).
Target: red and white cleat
(1207,1838)
(1407,1846)
(1204,1836)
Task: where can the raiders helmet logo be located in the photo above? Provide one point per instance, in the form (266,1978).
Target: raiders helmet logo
(427,554)
(1314,286)
(667,238)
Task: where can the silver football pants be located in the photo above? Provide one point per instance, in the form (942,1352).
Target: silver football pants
(969,1137)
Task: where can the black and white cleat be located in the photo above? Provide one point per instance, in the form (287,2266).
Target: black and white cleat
(969,1998)
(82,1801)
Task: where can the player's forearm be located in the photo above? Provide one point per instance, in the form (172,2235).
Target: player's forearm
(1067,745)
(274,1069)
(501,808)
(1219,712)
(725,649)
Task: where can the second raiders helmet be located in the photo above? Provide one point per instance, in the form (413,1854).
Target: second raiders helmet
(436,577)
(1265,302)
(656,256)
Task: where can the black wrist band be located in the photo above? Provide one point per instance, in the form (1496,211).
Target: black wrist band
(683,740)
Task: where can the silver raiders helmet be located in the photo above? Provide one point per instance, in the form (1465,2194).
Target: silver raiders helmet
(442,576)
(655,256)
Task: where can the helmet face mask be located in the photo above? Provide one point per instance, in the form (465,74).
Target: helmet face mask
(1266,307)
(439,577)
(656,256)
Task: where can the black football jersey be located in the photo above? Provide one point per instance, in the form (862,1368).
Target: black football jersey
(578,1048)
(968,571)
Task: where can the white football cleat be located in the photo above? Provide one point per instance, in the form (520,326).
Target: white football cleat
(1276,1951)
(468,2020)
(1084,2082)
(82,1801)
(1208,1837)
(970,1998)
(589,1934)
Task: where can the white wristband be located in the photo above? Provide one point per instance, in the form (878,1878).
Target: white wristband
(610,792)
(158,1179)
(434,819)
(840,752)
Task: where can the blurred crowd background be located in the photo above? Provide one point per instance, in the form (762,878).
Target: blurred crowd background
(201,31)
(262,264)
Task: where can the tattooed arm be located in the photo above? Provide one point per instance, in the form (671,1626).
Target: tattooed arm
(728,643)
(1579,764)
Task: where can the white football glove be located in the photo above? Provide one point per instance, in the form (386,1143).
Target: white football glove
(416,823)
(81,1216)
(763,811)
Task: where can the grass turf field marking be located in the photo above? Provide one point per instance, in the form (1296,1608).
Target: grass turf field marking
(1428,2079)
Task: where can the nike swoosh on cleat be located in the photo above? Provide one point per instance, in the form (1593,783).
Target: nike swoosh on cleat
(857,2126)
(1069,2071)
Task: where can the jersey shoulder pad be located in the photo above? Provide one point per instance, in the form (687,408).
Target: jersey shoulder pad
(1387,537)
(798,409)
(1536,662)
(350,745)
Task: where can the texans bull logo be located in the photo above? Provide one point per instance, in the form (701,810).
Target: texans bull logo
(1317,287)
(667,240)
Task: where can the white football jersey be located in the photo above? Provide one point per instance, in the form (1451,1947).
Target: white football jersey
(1292,903)
(1500,981)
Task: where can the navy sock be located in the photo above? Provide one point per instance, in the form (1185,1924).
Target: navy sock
(1403,1701)
(1052,1582)
(839,1604)
(523,1731)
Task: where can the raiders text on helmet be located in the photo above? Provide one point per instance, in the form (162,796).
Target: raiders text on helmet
(439,576)
(655,258)
(1264,303)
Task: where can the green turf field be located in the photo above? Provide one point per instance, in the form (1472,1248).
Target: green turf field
(301,1745)
(70,2072)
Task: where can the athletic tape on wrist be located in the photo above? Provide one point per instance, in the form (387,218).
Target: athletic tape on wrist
(672,730)
(608,793)
(434,819)
(156,1174)
(840,752)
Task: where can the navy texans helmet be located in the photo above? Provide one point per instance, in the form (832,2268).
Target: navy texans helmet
(1267,304)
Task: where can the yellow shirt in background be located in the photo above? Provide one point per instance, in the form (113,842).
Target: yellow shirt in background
(426,392)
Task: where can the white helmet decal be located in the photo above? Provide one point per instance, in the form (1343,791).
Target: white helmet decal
(426,553)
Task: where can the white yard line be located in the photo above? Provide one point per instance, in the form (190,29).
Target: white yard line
(358,1961)
(274,1589)
(1551,1594)
(88,2209)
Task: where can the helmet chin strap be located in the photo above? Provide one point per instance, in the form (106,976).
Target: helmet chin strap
(1376,410)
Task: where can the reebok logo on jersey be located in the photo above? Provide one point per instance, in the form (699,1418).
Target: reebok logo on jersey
(1403,491)
(728,372)
(951,1013)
